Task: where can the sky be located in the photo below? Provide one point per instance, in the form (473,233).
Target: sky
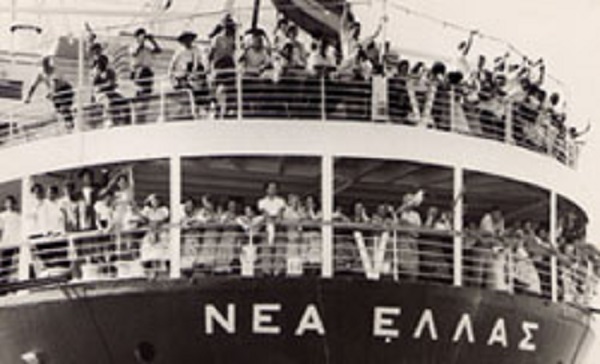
(564,33)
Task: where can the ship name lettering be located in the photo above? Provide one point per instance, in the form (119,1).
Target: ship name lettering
(383,322)
(426,321)
(465,325)
(498,334)
(386,327)
(527,344)
(263,320)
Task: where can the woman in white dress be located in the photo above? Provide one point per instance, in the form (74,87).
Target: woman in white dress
(155,244)
(229,240)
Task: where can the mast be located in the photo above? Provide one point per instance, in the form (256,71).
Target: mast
(255,14)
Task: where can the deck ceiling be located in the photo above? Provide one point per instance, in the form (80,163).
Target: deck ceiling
(368,180)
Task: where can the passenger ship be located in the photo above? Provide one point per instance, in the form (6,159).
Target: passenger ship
(227,286)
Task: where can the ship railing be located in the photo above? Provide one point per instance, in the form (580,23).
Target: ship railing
(299,95)
(367,251)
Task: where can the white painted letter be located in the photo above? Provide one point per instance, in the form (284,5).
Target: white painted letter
(310,321)
(212,315)
(426,320)
(464,325)
(498,334)
(527,343)
(261,318)
(383,323)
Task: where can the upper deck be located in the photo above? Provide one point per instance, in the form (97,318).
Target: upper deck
(399,100)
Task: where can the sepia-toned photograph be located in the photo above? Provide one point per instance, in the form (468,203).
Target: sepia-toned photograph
(299,182)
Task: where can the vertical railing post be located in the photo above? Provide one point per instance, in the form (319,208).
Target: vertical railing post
(25,258)
(240,97)
(395,272)
(458,198)
(323,98)
(327,197)
(508,131)
(553,241)
(589,280)
(175,186)
(554,278)
(452,126)
(162,101)
(511,269)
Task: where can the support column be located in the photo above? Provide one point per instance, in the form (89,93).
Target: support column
(327,206)
(80,83)
(508,136)
(553,259)
(24,247)
(175,186)
(458,198)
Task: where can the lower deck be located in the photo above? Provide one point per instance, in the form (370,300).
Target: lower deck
(293,320)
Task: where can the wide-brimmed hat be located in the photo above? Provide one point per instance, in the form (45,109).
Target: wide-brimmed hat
(187,37)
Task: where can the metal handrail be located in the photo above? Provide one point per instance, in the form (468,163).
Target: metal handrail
(239,95)
(371,251)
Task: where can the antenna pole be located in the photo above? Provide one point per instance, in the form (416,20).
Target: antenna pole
(80,80)
(255,14)
(13,20)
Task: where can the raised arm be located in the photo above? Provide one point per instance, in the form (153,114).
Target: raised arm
(32,88)
(155,46)
(469,43)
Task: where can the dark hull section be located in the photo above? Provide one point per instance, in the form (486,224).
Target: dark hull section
(279,321)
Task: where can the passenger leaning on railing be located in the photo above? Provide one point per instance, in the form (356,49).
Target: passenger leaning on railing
(188,72)
(311,232)
(89,196)
(154,251)
(60,92)
(115,107)
(209,215)
(72,207)
(291,218)
(222,64)
(408,246)
(437,247)
(489,253)
(271,251)
(229,241)
(142,54)
(525,274)
(257,67)
(190,234)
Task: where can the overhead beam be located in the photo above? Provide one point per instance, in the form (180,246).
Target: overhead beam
(364,171)
(403,173)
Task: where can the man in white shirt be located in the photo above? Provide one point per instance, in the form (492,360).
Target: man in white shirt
(54,213)
(36,218)
(271,206)
(10,222)
(10,225)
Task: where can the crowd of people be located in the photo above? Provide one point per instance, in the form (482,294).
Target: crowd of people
(498,98)
(278,235)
